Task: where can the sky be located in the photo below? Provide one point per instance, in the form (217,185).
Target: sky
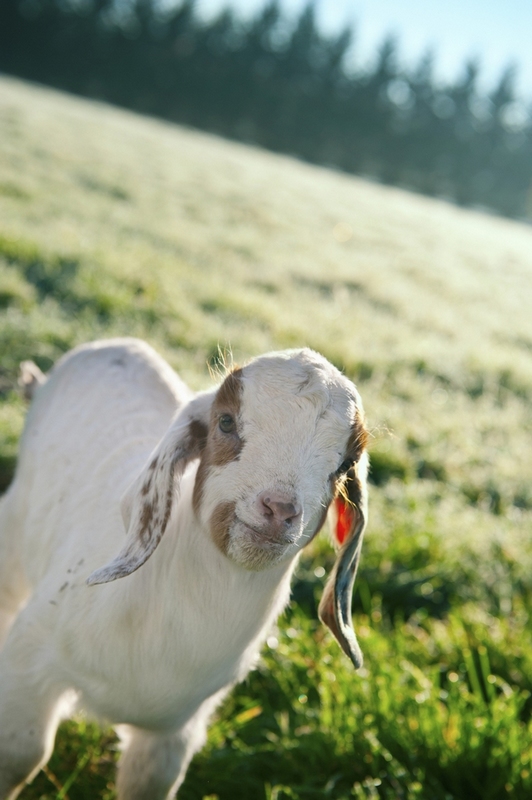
(498,32)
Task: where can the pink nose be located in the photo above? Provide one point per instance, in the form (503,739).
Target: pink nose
(279,508)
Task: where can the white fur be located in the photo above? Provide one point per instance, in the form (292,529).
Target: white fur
(155,651)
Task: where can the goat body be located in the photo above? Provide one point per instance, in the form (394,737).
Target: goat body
(238,479)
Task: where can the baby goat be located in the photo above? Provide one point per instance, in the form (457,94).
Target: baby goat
(218,493)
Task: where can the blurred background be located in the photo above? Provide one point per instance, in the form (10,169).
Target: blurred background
(350,176)
(431,98)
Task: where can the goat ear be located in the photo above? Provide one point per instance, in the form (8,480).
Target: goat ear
(351,517)
(147,504)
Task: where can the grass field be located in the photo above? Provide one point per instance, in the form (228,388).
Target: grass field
(116,224)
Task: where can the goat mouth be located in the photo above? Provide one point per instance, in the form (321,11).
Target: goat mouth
(269,537)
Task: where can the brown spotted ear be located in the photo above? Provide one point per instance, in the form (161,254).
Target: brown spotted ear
(351,517)
(147,504)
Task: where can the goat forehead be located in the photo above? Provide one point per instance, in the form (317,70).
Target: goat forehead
(301,372)
(297,399)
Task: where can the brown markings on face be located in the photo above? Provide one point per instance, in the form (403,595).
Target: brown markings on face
(358,442)
(358,439)
(198,432)
(229,395)
(341,484)
(347,485)
(220,448)
(221,521)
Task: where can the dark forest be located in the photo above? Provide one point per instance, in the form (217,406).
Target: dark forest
(286,87)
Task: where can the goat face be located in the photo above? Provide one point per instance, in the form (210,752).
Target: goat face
(277,442)
(282,432)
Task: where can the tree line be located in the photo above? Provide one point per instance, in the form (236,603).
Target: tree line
(286,87)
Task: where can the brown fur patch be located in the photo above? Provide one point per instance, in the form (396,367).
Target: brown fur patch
(220,448)
(221,521)
(146,515)
(198,432)
(229,395)
(155,510)
(354,489)
(168,505)
(348,485)
(358,440)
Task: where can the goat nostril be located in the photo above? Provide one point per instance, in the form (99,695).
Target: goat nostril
(285,512)
(289,513)
(279,510)
(267,510)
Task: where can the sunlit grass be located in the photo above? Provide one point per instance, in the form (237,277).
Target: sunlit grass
(113,224)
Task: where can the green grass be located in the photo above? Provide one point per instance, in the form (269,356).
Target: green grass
(113,224)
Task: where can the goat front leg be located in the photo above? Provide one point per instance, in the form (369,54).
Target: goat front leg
(153,765)
(29,714)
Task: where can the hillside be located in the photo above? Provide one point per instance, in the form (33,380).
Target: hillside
(111,223)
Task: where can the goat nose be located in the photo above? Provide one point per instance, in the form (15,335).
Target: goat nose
(279,508)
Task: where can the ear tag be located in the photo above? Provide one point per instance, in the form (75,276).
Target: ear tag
(345,516)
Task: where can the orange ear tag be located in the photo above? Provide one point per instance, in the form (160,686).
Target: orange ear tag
(345,516)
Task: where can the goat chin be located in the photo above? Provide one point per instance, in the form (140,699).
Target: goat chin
(217,494)
(256,551)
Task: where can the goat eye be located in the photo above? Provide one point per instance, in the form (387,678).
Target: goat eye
(345,466)
(226,423)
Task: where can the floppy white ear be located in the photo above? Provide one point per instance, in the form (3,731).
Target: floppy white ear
(147,504)
(351,517)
